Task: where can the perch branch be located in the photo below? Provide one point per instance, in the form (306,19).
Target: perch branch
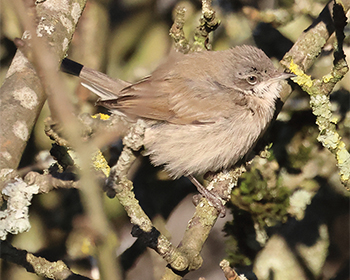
(120,186)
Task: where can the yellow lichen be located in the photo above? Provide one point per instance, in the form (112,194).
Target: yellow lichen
(86,246)
(301,79)
(100,163)
(329,140)
(101,116)
(334,120)
(342,154)
(344,177)
(327,78)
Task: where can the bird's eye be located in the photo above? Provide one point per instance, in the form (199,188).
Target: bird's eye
(252,80)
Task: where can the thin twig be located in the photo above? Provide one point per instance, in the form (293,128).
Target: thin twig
(34,264)
(208,23)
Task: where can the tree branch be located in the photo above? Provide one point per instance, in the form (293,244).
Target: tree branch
(320,89)
(22,95)
(40,266)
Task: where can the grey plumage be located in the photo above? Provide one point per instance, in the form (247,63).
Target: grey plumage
(210,107)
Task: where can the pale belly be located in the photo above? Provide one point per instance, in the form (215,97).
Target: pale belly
(196,149)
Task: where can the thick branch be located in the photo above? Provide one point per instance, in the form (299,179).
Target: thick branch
(46,61)
(309,44)
(22,95)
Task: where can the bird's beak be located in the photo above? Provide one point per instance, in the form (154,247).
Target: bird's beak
(281,76)
(285,76)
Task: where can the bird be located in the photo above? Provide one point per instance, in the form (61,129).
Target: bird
(206,110)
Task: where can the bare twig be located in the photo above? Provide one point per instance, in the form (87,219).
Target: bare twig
(208,23)
(46,182)
(230,273)
(176,31)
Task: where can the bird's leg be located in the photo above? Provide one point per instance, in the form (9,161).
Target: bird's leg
(211,197)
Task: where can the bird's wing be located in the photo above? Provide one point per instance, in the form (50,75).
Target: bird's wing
(185,89)
(178,100)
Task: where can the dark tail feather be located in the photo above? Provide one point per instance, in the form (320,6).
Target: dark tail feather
(71,67)
(99,83)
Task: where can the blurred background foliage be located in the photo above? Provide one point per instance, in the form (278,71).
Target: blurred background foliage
(289,209)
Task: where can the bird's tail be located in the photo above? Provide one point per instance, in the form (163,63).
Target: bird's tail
(97,82)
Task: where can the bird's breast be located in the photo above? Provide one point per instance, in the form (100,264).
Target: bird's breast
(196,149)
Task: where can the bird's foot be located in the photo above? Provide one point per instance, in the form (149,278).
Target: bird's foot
(211,197)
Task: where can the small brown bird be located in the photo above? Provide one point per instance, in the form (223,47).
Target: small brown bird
(210,107)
